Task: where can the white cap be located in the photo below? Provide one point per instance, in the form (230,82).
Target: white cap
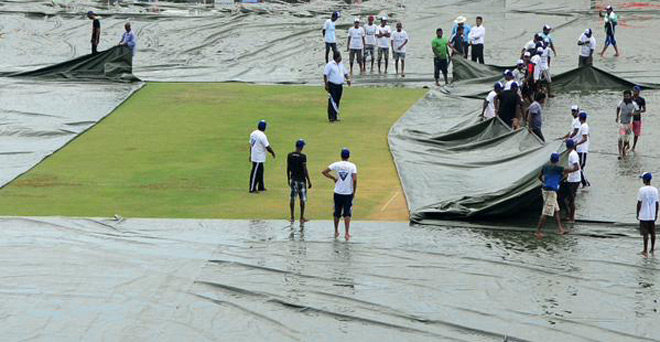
(547,27)
(527,54)
(575,107)
(587,31)
(356,20)
(539,49)
(609,7)
(520,61)
(383,17)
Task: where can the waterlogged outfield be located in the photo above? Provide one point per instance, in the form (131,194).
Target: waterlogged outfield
(180,150)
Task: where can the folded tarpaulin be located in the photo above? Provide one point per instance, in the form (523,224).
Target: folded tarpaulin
(114,64)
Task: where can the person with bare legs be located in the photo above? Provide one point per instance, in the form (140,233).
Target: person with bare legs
(624,114)
(637,116)
(383,35)
(647,212)
(551,176)
(298,179)
(399,42)
(611,20)
(345,188)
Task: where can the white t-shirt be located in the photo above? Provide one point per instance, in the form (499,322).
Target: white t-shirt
(544,59)
(585,50)
(336,73)
(370,32)
(575,125)
(259,142)
(574,158)
(356,35)
(399,38)
(648,195)
(536,59)
(519,75)
(477,35)
(584,130)
(490,108)
(384,42)
(507,84)
(329,28)
(345,171)
(530,45)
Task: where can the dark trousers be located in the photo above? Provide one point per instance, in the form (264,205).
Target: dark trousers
(94,49)
(538,133)
(257,177)
(334,97)
(583,163)
(478,53)
(439,64)
(328,47)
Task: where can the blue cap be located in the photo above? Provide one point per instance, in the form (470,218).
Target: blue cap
(262,125)
(498,86)
(345,153)
(300,143)
(554,157)
(583,115)
(90,13)
(587,32)
(514,85)
(570,143)
(647,176)
(508,72)
(637,88)
(336,14)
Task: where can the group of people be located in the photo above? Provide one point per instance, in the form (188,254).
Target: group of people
(343,174)
(128,38)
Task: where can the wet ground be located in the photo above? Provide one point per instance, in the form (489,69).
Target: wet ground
(206,280)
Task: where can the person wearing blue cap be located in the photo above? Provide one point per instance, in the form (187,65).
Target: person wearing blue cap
(572,180)
(647,211)
(490,103)
(637,116)
(329,35)
(258,146)
(582,140)
(345,187)
(587,45)
(551,176)
(508,79)
(96,31)
(298,179)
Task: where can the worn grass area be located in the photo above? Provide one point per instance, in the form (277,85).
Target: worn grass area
(180,150)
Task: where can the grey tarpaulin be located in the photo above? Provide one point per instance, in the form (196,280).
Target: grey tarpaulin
(214,280)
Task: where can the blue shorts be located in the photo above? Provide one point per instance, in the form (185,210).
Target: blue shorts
(610,40)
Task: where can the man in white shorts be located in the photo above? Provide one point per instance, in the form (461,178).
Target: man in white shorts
(399,42)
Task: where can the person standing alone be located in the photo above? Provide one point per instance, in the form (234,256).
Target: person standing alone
(329,36)
(647,211)
(611,20)
(258,146)
(587,45)
(345,187)
(476,38)
(334,77)
(96,31)
(298,179)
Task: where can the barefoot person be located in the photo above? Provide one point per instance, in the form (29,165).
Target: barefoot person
(345,187)
(383,35)
(329,36)
(624,113)
(647,211)
(575,124)
(399,42)
(440,47)
(370,43)
(298,179)
(258,146)
(582,140)
(637,116)
(551,176)
(611,20)
(587,45)
(356,42)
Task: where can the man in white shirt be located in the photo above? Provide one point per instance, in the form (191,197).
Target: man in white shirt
(545,67)
(334,76)
(345,187)
(329,34)
(476,38)
(647,211)
(587,45)
(582,146)
(370,43)
(258,146)
(572,180)
(575,123)
(519,72)
(490,103)
(399,42)
(356,44)
(383,35)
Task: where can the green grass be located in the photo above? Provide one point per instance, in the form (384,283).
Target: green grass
(181,150)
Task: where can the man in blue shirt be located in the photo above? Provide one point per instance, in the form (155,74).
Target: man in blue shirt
(551,176)
(460,22)
(128,39)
